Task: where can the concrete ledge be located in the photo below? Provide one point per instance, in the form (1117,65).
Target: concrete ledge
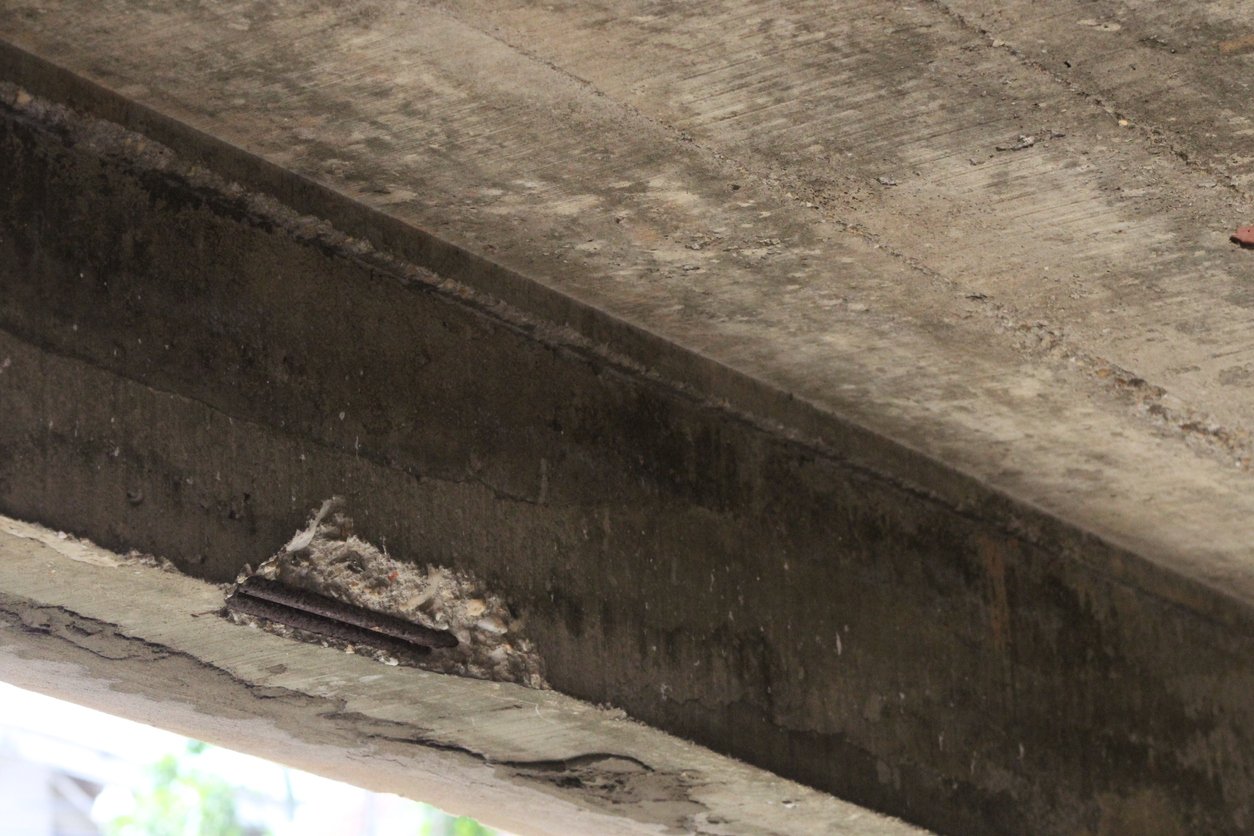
(83,624)
(891,555)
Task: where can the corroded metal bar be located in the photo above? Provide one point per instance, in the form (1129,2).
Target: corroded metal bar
(322,626)
(330,617)
(323,605)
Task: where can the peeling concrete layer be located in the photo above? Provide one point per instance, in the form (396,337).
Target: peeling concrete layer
(900,515)
(106,631)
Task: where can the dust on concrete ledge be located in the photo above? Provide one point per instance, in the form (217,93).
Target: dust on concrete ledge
(327,558)
(81,549)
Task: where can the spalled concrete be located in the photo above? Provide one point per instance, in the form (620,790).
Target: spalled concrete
(852,390)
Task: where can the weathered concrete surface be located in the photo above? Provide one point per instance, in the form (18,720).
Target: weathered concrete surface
(902,490)
(87,625)
(1106,238)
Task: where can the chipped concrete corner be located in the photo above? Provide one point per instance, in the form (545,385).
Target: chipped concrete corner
(126,635)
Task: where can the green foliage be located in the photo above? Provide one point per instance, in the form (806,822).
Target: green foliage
(181,800)
(441,824)
(464,826)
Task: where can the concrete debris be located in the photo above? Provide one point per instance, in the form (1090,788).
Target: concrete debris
(1022,142)
(326,558)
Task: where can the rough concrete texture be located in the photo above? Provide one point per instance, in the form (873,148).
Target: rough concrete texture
(326,558)
(856,388)
(104,630)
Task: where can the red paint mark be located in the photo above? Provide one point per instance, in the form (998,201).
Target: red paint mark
(1244,236)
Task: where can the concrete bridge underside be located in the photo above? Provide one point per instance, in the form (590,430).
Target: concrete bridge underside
(858,389)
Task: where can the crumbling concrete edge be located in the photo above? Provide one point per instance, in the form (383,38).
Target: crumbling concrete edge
(140,641)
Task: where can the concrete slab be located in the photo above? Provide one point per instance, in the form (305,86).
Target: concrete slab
(867,321)
(614,223)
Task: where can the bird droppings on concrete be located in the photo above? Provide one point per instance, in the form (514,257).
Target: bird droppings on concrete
(328,559)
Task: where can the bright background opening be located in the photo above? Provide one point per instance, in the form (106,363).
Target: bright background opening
(66,770)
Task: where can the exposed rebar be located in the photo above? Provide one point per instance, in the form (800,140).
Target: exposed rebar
(325,616)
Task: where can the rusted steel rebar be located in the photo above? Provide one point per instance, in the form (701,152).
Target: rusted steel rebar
(326,616)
